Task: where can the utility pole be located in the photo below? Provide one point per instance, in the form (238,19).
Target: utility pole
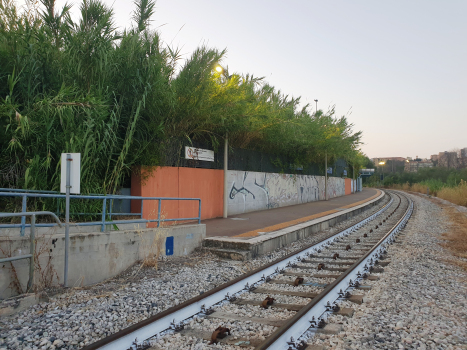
(226,162)
(325,175)
(316,106)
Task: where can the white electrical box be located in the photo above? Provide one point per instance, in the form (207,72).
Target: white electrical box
(75,172)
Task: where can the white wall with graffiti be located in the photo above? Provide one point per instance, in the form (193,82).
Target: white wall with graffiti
(251,191)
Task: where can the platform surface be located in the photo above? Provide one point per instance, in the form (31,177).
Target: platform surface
(255,223)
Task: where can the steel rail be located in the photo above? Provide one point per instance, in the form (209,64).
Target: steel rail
(288,335)
(173,316)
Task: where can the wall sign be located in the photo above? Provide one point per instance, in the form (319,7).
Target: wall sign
(199,154)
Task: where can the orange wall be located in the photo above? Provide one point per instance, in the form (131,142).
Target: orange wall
(348,186)
(206,184)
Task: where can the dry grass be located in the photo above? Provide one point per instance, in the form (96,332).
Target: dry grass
(44,273)
(152,247)
(456,195)
(5,251)
(456,237)
(413,188)
(153,250)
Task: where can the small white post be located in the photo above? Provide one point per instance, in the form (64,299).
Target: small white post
(226,162)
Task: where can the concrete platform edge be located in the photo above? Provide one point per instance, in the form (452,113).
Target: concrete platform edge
(238,248)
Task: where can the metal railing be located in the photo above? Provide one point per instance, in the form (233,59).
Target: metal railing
(32,238)
(105,213)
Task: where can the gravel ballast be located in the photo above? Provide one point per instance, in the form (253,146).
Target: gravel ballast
(78,317)
(420,301)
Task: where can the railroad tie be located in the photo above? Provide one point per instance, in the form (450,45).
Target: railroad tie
(234,317)
(285,292)
(291,307)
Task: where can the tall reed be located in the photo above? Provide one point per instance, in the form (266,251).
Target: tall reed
(117,97)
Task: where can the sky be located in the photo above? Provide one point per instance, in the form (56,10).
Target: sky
(397,69)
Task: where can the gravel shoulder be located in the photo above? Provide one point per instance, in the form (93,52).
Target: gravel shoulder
(420,301)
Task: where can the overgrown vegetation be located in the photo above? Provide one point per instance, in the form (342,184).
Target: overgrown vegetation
(445,183)
(454,194)
(120,98)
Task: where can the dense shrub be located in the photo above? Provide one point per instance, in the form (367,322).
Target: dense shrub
(119,98)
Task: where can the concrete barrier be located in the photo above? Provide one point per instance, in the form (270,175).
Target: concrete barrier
(94,256)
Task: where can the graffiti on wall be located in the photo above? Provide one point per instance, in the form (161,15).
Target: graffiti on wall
(248,190)
(251,191)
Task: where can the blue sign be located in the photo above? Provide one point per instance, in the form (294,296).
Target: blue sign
(169,245)
(345,172)
(330,170)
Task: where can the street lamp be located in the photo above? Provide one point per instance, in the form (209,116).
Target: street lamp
(219,69)
(382,168)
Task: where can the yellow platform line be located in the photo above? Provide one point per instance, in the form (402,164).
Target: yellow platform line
(282,225)
(378,192)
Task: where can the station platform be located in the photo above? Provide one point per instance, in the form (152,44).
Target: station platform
(258,222)
(245,236)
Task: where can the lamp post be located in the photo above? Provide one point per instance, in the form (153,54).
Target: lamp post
(219,69)
(316,106)
(382,168)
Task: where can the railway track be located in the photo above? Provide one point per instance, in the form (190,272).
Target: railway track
(282,304)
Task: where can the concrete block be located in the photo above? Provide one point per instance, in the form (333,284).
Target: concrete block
(17,304)
(345,311)
(364,287)
(357,299)
(378,270)
(372,278)
(331,328)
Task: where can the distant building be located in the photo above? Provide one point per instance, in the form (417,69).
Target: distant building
(391,164)
(448,160)
(385,159)
(414,165)
(463,158)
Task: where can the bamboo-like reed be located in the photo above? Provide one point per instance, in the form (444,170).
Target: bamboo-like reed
(119,97)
